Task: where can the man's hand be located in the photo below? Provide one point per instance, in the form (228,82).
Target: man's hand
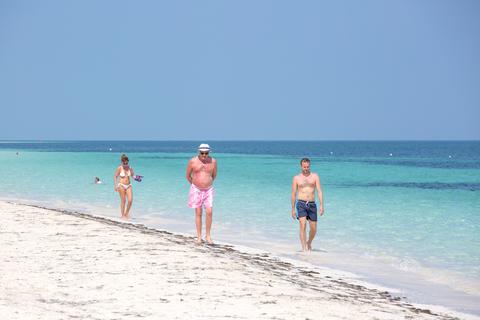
(294,215)
(320,210)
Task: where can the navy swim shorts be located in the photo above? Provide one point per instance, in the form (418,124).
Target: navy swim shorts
(307,209)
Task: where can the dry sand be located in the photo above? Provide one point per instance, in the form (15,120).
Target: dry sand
(61,265)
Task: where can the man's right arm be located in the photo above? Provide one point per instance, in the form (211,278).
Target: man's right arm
(294,196)
(189,171)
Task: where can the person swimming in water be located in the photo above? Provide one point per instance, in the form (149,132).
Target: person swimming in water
(122,185)
(97,180)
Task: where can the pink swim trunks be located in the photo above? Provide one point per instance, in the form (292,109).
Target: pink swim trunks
(198,198)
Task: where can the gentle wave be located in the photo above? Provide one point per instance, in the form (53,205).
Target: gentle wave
(420,185)
(452,164)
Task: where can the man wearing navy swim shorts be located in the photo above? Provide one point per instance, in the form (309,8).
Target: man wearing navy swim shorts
(303,199)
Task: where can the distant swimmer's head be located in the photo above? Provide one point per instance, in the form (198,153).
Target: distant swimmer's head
(305,164)
(203,150)
(124,159)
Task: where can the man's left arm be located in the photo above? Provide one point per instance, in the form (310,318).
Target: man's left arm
(320,195)
(214,173)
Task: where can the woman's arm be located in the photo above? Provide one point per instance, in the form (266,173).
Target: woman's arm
(115,178)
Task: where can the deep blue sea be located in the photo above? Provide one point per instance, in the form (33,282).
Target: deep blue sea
(402,214)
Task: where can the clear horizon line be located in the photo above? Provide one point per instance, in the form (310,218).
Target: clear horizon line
(240,140)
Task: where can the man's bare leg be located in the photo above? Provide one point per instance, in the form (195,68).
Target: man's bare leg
(311,235)
(198,223)
(208,225)
(303,229)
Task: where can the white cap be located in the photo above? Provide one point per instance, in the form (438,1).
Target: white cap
(204,147)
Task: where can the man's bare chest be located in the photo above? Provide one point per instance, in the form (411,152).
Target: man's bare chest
(306,182)
(203,167)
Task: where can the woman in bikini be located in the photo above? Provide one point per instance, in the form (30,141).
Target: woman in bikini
(123,185)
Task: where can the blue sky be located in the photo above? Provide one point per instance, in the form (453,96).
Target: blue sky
(175,70)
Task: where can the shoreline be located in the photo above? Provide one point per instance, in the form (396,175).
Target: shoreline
(337,291)
(428,286)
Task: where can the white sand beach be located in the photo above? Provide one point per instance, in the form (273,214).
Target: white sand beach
(60,265)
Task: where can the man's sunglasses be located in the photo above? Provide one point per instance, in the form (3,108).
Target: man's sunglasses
(204,153)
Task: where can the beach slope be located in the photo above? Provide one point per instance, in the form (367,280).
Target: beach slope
(59,265)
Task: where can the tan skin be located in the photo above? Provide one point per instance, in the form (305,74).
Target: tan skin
(124,194)
(201,171)
(303,188)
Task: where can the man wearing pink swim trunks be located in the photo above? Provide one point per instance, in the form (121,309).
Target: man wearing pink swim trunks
(201,171)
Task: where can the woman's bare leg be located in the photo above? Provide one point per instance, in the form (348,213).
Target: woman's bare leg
(121,192)
(130,199)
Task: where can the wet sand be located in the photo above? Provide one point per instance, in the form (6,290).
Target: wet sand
(60,265)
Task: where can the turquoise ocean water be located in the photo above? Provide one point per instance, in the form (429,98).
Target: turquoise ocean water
(405,215)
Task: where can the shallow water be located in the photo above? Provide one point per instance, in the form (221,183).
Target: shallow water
(404,214)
